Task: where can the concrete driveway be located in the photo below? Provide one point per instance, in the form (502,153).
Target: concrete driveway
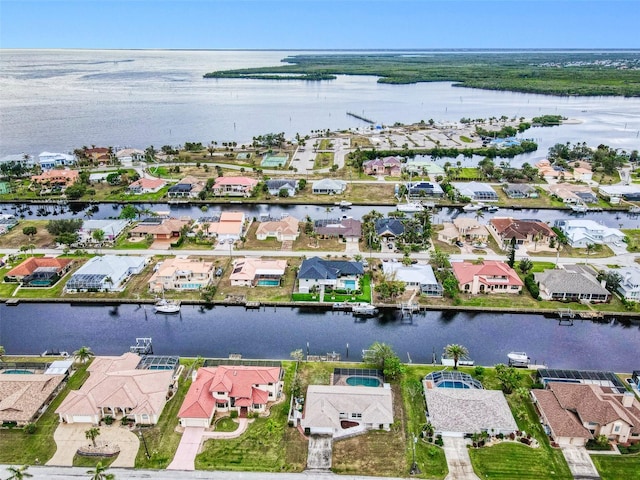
(458,460)
(70,437)
(580,463)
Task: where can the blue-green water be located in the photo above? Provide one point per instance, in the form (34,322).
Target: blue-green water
(363,382)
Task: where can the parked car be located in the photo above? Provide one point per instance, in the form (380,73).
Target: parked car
(459,244)
(219,272)
(390,246)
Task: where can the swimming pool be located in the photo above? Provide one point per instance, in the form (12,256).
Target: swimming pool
(451,379)
(363,381)
(17,372)
(268,283)
(452,384)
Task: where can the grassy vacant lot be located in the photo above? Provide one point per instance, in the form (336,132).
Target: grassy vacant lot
(617,467)
(371,193)
(323,160)
(633,239)
(16,239)
(305,242)
(20,448)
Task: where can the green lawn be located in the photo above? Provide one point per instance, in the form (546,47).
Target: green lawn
(20,448)
(226,424)
(617,467)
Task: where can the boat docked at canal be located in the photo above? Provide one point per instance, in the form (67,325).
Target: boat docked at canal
(518,359)
(166,306)
(364,309)
(410,207)
(473,207)
(462,361)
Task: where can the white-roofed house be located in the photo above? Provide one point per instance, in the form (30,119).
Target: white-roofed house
(629,286)
(476,191)
(23,159)
(580,233)
(49,160)
(415,277)
(329,186)
(106,273)
(111,228)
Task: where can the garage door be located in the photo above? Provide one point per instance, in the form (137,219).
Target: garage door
(83,419)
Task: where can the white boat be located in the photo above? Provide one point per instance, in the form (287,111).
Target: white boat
(54,353)
(365,309)
(344,204)
(166,306)
(473,207)
(409,207)
(462,362)
(492,209)
(518,359)
(579,208)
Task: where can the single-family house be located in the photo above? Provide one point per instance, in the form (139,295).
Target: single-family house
(388,229)
(553,173)
(49,160)
(580,233)
(421,164)
(463,229)
(348,229)
(241,388)
(159,228)
(39,271)
(334,274)
(129,155)
(146,185)
(424,189)
(571,283)
(490,276)
(504,229)
(415,277)
(60,178)
(98,155)
(572,194)
(234,186)
(476,191)
(582,172)
(24,159)
(181,274)
(520,190)
(111,229)
(251,272)
(276,185)
(227,226)
(383,166)
(616,193)
(188,187)
(629,286)
(285,229)
(328,186)
(105,273)
(23,396)
(574,413)
(120,387)
(340,410)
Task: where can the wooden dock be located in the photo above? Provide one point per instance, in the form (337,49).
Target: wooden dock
(360,117)
(12,302)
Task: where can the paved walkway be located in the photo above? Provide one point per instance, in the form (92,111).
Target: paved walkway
(580,463)
(458,460)
(191,443)
(71,436)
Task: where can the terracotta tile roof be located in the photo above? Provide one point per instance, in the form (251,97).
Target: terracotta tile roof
(521,229)
(466,271)
(32,263)
(199,403)
(248,268)
(148,183)
(286,226)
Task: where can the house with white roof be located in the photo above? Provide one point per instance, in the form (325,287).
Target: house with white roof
(251,272)
(476,191)
(415,277)
(620,192)
(49,160)
(181,274)
(21,158)
(425,165)
(129,155)
(581,233)
(329,186)
(111,229)
(629,286)
(106,273)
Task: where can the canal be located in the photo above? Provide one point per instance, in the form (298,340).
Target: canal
(275,332)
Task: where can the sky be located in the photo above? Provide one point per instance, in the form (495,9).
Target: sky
(313,24)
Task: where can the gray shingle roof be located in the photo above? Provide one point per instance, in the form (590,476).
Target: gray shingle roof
(316,268)
(571,280)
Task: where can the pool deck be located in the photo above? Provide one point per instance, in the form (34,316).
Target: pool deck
(337,379)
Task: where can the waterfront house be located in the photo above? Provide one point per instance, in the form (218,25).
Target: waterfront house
(520,190)
(572,194)
(340,410)
(553,173)
(24,396)
(276,185)
(282,230)
(476,191)
(26,160)
(389,229)
(234,186)
(49,160)
(616,193)
(328,186)
(129,155)
(188,187)
(251,272)
(463,229)
(580,233)
(490,276)
(106,273)
(391,166)
(629,286)
(415,277)
(181,274)
(111,229)
(159,228)
(574,413)
(39,271)
(241,388)
(416,190)
(571,283)
(228,226)
(56,178)
(504,229)
(334,274)
(146,185)
(429,167)
(120,387)
(348,229)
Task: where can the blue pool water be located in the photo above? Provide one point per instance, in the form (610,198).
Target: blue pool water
(268,283)
(452,384)
(350,284)
(17,372)
(363,382)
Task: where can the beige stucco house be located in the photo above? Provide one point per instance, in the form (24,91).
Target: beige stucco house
(181,274)
(282,230)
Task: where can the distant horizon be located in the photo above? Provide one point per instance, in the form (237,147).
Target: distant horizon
(412,49)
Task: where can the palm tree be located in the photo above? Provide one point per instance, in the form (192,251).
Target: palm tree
(92,434)
(99,473)
(479,215)
(83,354)
(18,473)
(455,351)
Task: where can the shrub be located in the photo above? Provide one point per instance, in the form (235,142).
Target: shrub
(479,370)
(439,442)
(532,286)
(233,414)
(30,428)
(108,420)
(526,441)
